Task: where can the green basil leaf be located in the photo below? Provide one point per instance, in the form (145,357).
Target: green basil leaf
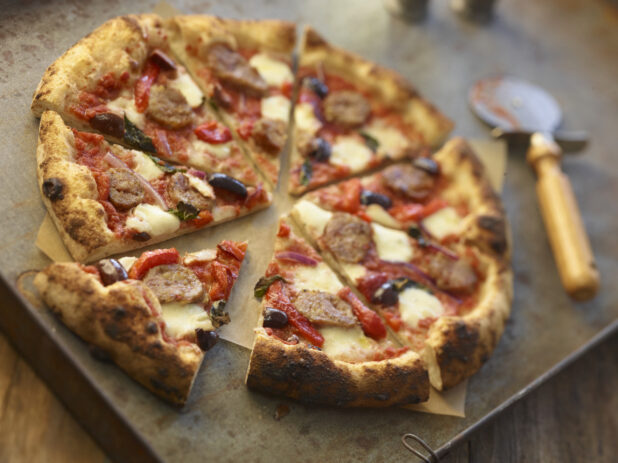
(370,141)
(306,171)
(136,138)
(164,166)
(185,211)
(264,283)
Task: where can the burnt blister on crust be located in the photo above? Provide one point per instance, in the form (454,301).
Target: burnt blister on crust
(53,189)
(496,228)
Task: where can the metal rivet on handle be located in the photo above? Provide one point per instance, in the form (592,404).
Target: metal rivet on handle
(433,458)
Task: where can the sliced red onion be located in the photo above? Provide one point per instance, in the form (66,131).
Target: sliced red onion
(297,257)
(114,161)
(197,173)
(447,252)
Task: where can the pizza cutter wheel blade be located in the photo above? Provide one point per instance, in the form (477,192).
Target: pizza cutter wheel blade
(520,111)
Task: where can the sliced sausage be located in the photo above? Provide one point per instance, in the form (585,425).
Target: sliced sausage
(324,308)
(233,69)
(169,107)
(348,237)
(125,190)
(346,108)
(179,190)
(174,283)
(408,180)
(270,135)
(452,275)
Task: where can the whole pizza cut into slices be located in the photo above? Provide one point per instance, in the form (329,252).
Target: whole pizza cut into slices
(106,199)
(244,68)
(444,283)
(154,316)
(352,115)
(317,342)
(123,81)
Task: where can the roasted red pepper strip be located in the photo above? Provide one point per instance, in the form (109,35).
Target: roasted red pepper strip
(349,201)
(143,84)
(214,133)
(277,299)
(151,259)
(234,249)
(370,321)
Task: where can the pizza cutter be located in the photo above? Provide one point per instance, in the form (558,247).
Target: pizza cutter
(521,112)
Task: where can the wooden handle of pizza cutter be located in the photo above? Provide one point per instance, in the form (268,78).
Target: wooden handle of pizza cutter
(563,221)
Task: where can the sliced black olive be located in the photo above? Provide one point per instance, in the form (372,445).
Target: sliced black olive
(52,188)
(306,172)
(317,86)
(321,150)
(162,60)
(417,234)
(370,197)
(386,295)
(206,339)
(427,164)
(109,124)
(274,318)
(111,271)
(141,236)
(228,183)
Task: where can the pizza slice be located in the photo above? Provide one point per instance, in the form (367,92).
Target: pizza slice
(352,115)
(245,69)
(123,81)
(106,199)
(318,343)
(153,316)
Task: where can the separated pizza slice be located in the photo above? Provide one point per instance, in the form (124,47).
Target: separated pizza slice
(106,199)
(352,115)
(245,69)
(123,81)
(318,343)
(154,316)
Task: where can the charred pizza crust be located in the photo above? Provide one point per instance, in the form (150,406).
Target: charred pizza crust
(118,319)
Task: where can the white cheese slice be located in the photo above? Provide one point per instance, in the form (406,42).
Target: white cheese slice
(185,85)
(219,150)
(318,278)
(274,72)
(392,245)
(390,140)
(201,186)
(152,220)
(126,106)
(313,217)
(379,214)
(354,271)
(127,262)
(344,343)
(276,107)
(146,166)
(181,320)
(205,255)
(350,152)
(416,304)
(304,118)
(442,223)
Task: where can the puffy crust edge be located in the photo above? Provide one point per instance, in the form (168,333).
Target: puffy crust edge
(311,376)
(118,319)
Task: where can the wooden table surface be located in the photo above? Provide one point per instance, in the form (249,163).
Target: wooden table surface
(571,418)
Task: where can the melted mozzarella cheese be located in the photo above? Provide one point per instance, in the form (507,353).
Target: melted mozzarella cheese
(185,85)
(145,166)
(442,223)
(276,107)
(354,271)
(416,304)
(127,262)
(127,107)
(205,255)
(201,186)
(304,118)
(390,140)
(392,245)
(274,72)
(347,344)
(350,152)
(319,278)
(378,214)
(152,220)
(220,150)
(181,320)
(313,217)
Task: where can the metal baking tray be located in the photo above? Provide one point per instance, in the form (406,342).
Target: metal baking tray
(442,56)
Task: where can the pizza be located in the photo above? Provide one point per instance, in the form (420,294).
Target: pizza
(443,282)
(123,81)
(318,342)
(154,316)
(107,199)
(352,115)
(245,69)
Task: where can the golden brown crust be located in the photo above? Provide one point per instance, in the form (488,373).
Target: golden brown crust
(311,376)
(119,320)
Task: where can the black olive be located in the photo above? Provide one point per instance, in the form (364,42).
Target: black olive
(141,236)
(109,124)
(320,150)
(317,86)
(228,183)
(386,294)
(111,271)
(427,164)
(162,60)
(370,197)
(274,318)
(52,188)
(417,234)
(206,339)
